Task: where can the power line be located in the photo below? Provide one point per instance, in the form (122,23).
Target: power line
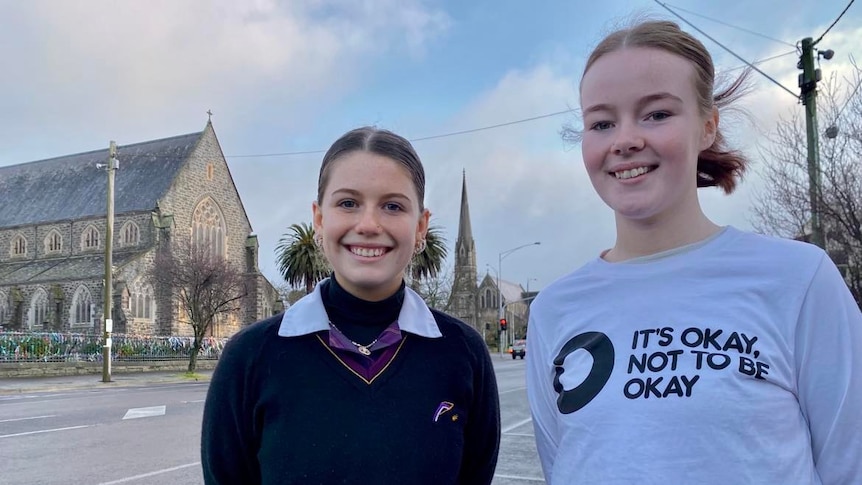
(761,61)
(464,132)
(735,27)
(432,137)
(835,22)
(281,154)
(767,76)
(473,130)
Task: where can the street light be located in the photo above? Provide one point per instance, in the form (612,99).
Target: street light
(500,307)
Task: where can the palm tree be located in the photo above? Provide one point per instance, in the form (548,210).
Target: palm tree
(298,258)
(427,264)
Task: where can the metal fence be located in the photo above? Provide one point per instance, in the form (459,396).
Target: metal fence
(80,347)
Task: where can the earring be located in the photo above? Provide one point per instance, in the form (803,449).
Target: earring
(318,242)
(420,246)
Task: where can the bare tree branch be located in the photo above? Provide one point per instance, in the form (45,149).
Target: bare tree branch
(783,208)
(203,283)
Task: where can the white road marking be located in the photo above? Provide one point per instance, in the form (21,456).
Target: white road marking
(196,400)
(516,425)
(42,431)
(527,435)
(150,474)
(151,411)
(513,477)
(25,419)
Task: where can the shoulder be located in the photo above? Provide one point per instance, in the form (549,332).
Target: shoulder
(453,328)
(250,340)
(566,287)
(770,254)
(773,247)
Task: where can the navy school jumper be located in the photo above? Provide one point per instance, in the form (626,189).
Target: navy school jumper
(287,411)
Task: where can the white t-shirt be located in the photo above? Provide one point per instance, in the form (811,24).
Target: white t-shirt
(736,362)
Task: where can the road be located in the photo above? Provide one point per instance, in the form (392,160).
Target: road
(150,435)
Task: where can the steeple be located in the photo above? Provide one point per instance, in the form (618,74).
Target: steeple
(465,230)
(462,299)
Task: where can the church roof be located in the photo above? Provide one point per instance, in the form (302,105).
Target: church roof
(91,266)
(511,291)
(71,187)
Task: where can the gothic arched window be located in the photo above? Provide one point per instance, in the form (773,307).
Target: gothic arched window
(131,234)
(90,238)
(19,246)
(53,242)
(38,313)
(208,227)
(141,301)
(4,307)
(81,311)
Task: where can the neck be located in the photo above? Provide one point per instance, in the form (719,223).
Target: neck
(637,238)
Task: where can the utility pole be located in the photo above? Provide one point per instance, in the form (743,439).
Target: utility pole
(112,165)
(808,82)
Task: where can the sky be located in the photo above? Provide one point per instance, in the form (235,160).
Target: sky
(282,77)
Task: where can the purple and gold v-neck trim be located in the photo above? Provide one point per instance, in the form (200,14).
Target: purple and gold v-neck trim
(367,367)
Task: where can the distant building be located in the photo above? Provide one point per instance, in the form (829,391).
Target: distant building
(478,303)
(52,236)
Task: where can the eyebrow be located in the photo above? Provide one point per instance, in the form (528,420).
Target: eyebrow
(390,195)
(641,102)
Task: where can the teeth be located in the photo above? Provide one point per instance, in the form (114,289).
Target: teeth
(367,252)
(627,174)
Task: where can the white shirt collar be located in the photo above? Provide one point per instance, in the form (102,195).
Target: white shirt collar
(308,316)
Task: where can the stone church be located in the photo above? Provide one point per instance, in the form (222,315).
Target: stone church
(478,302)
(52,237)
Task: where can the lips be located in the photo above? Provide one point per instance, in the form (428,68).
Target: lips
(631,173)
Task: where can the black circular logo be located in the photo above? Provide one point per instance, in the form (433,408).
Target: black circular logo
(602,350)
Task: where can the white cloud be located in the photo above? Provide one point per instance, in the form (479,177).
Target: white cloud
(152,69)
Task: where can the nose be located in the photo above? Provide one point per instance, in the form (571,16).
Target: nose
(628,140)
(368,222)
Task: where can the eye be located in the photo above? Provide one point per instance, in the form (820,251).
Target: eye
(393,207)
(658,115)
(601,126)
(347,204)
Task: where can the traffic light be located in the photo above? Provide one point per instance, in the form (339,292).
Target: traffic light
(503,324)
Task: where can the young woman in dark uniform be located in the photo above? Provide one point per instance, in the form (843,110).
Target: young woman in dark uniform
(359,382)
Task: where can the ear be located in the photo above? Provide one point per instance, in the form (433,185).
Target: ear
(316,218)
(422,224)
(710,129)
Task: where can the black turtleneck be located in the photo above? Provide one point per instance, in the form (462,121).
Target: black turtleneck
(359,320)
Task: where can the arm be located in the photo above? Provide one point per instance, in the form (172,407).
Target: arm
(228,447)
(828,353)
(482,434)
(541,394)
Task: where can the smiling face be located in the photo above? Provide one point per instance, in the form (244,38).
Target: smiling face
(371,219)
(643,131)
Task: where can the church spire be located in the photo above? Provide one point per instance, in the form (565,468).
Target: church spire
(463,297)
(465,230)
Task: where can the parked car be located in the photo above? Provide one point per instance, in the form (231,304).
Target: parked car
(518,349)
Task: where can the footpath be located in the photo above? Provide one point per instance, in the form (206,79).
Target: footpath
(21,385)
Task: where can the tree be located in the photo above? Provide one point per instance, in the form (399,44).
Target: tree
(427,264)
(205,284)
(783,207)
(435,290)
(298,258)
